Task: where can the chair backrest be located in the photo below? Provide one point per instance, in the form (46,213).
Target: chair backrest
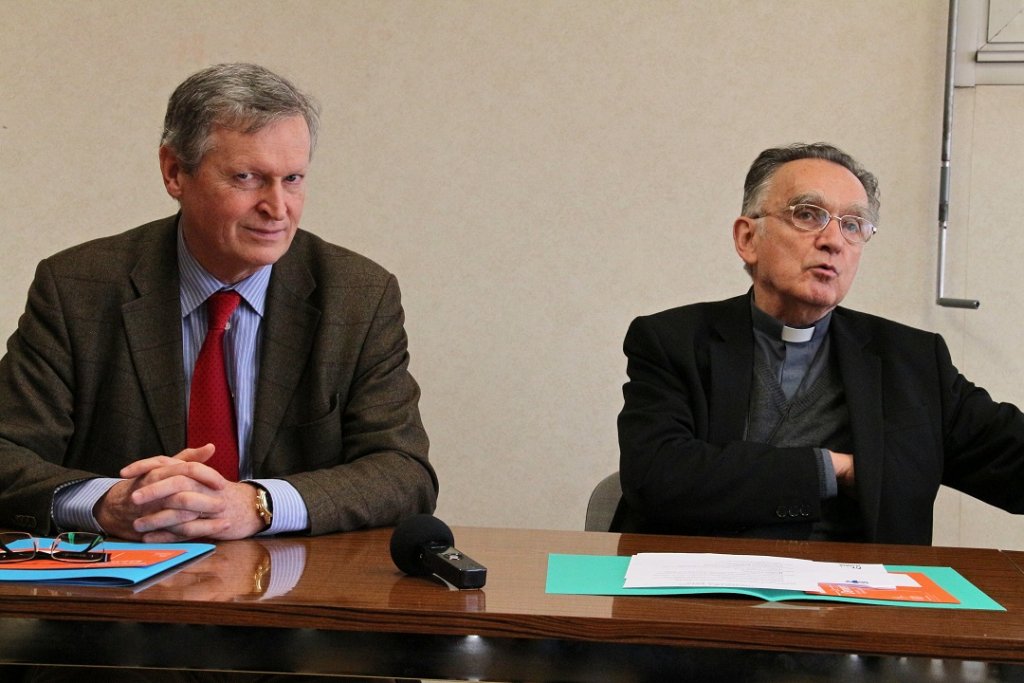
(603,501)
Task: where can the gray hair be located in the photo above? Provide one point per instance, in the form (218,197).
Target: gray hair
(241,97)
(761,172)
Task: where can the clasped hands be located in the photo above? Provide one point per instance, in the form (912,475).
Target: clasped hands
(165,499)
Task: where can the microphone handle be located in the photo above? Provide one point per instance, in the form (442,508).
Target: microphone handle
(453,566)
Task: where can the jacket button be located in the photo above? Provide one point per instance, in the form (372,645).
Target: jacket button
(780,512)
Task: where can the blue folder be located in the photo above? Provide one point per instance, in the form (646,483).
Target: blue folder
(97,575)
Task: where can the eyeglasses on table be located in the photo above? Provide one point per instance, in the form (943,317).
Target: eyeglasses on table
(70,546)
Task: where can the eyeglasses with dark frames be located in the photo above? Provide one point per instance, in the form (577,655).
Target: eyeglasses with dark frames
(812,218)
(69,546)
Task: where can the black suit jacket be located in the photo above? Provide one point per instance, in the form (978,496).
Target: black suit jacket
(93,379)
(916,422)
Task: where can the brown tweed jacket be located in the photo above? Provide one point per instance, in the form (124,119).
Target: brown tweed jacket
(93,379)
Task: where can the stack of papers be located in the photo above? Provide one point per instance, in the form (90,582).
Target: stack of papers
(697,570)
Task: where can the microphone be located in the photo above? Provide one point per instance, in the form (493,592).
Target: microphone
(423,545)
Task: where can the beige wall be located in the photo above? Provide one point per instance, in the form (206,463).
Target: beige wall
(985,255)
(536,173)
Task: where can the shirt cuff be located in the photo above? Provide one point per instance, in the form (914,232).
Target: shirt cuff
(290,513)
(827,482)
(73,504)
(286,566)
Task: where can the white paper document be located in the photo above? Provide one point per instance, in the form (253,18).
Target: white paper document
(704,570)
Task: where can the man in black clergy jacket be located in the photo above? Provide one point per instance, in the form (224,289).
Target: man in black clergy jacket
(781,414)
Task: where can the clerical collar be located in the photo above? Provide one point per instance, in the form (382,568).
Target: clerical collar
(776,329)
(797,334)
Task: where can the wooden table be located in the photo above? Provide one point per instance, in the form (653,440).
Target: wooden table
(352,612)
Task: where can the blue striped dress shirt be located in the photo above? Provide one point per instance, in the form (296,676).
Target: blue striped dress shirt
(73,504)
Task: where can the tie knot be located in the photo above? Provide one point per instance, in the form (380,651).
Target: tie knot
(219,308)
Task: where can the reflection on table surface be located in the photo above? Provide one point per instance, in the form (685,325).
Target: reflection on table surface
(338,602)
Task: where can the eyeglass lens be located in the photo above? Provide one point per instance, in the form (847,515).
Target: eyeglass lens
(77,546)
(16,546)
(812,218)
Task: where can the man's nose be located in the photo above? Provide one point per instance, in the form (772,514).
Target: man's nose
(273,202)
(831,236)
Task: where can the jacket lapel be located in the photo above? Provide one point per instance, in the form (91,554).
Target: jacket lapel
(289,325)
(731,351)
(861,371)
(152,323)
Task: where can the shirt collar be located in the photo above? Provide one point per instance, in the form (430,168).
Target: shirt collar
(776,329)
(197,284)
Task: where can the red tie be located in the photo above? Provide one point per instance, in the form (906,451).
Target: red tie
(211,412)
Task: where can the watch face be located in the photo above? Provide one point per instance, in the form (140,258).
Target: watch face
(263,507)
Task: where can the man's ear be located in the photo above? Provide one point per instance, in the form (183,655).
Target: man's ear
(172,171)
(744,237)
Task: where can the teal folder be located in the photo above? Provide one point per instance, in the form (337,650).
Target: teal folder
(605,575)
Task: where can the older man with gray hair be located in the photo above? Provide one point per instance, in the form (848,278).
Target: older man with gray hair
(782,414)
(218,373)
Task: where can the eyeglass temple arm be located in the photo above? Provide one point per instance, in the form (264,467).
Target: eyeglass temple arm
(947,135)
